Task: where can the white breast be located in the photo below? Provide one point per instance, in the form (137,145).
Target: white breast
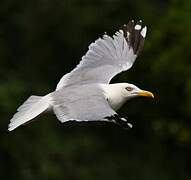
(114,95)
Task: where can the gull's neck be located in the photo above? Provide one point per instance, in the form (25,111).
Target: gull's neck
(115,94)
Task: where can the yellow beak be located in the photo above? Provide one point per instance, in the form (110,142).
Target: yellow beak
(145,94)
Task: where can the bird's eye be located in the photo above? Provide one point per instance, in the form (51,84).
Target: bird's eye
(129,88)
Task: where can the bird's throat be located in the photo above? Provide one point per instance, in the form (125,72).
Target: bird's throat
(114,96)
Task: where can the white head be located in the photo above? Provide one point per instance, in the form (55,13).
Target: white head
(118,93)
(130,91)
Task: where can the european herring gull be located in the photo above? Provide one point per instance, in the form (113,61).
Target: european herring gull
(85,94)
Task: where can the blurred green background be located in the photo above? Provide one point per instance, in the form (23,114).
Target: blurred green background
(41,40)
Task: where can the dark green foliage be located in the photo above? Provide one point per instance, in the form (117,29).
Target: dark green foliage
(41,40)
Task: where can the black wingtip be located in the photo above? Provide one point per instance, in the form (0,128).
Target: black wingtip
(135,35)
(122,122)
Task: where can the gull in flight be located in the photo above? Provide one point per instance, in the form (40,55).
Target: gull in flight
(85,94)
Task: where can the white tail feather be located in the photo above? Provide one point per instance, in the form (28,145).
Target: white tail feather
(31,108)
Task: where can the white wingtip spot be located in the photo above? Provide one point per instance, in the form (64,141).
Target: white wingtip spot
(137,27)
(123,119)
(130,125)
(121,31)
(144,31)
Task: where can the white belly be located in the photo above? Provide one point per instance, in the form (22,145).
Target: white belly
(116,102)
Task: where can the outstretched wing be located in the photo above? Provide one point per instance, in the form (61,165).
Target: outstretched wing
(108,56)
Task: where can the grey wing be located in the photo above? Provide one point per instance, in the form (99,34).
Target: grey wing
(90,107)
(108,56)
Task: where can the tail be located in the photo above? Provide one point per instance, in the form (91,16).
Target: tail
(31,108)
